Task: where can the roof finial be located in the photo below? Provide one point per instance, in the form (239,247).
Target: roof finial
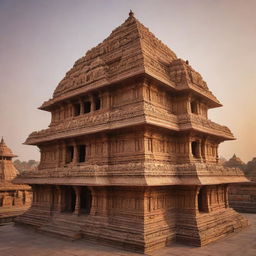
(2,140)
(131,14)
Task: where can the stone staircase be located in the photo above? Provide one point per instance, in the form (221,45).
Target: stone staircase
(35,217)
(64,225)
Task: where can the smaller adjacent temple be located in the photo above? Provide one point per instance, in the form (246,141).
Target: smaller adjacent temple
(243,196)
(14,199)
(235,161)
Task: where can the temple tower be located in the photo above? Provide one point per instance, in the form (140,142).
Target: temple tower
(14,199)
(130,157)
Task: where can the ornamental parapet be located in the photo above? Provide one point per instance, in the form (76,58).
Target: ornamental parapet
(140,174)
(200,123)
(134,115)
(88,123)
(184,122)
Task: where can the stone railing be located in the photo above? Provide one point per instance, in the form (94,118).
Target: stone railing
(103,119)
(72,126)
(187,121)
(202,123)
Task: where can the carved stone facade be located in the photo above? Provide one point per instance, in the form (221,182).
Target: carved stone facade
(130,157)
(243,196)
(14,199)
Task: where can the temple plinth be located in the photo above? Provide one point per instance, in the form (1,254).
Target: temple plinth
(130,157)
(14,199)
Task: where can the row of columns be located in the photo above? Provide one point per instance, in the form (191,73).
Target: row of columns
(61,199)
(201,150)
(68,110)
(206,200)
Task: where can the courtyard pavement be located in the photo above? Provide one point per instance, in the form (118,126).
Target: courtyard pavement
(21,241)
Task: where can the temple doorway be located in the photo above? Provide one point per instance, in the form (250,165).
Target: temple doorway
(201,199)
(85,200)
(70,199)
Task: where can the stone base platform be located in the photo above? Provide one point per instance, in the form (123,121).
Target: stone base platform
(19,241)
(9,214)
(242,197)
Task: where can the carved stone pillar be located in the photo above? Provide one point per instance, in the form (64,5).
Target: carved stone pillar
(64,153)
(92,103)
(197,189)
(203,149)
(199,148)
(226,188)
(62,112)
(78,198)
(216,154)
(106,100)
(81,106)
(209,199)
(94,204)
(59,199)
(75,156)
(189,147)
(58,155)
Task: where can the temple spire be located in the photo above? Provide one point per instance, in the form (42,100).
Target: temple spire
(131,14)
(2,140)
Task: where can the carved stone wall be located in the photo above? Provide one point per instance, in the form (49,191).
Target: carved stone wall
(130,157)
(135,218)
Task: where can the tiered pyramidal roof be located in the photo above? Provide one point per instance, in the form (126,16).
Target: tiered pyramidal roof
(7,170)
(4,150)
(130,50)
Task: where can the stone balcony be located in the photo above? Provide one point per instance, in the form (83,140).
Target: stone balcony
(137,114)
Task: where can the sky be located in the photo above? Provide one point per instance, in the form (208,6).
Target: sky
(40,41)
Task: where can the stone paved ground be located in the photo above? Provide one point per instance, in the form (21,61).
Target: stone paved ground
(19,241)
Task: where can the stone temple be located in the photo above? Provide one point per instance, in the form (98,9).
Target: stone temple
(242,196)
(130,157)
(15,199)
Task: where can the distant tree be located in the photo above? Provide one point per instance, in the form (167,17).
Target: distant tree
(25,166)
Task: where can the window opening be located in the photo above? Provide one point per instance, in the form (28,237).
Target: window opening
(87,107)
(201,200)
(97,102)
(70,154)
(195,148)
(82,153)
(194,107)
(76,109)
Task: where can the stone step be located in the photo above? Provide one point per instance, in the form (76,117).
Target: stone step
(63,227)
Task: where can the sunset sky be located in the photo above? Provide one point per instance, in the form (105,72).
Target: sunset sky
(40,41)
